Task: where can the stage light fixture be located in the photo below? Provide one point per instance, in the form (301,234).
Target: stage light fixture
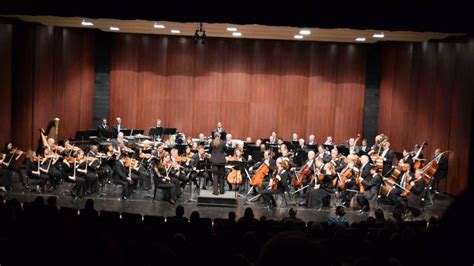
(200,34)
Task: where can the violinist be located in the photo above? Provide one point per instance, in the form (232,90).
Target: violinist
(324,154)
(352,146)
(79,174)
(411,198)
(121,176)
(32,165)
(102,166)
(49,167)
(371,185)
(321,187)
(164,179)
(442,171)
(179,163)
(329,141)
(198,158)
(278,183)
(5,177)
(8,163)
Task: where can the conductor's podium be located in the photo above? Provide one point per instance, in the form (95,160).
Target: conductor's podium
(206,198)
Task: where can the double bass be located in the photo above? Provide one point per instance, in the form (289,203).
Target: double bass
(417,162)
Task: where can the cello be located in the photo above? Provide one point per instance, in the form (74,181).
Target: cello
(260,174)
(304,173)
(235,176)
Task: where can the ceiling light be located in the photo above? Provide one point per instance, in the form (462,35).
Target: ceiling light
(158,26)
(378,35)
(231,29)
(360,39)
(86,23)
(114,28)
(236,34)
(175,31)
(305,32)
(298,36)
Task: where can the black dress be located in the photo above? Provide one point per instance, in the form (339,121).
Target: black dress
(316,198)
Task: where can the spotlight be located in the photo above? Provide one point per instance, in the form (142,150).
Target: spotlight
(199,34)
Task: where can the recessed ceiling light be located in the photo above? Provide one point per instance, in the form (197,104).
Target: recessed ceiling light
(158,26)
(236,34)
(175,31)
(378,35)
(86,23)
(114,28)
(360,39)
(298,36)
(231,29)
(305,32)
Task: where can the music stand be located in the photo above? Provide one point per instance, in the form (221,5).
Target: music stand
(169,131)
(311,147)
(155,131)
(126,132)
(81,135)
(343,150)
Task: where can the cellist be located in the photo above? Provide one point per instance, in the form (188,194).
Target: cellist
(411,198)
(371,184)
(267,158)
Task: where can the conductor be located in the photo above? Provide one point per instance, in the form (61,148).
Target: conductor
(217,148)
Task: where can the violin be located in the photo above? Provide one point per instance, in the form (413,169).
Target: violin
(275,181)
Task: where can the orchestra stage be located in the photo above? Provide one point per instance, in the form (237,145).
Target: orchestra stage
(141,204)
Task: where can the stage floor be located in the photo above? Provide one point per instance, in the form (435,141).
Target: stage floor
(143,205)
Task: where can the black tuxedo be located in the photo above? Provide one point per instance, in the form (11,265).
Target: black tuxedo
(387,161)
(121,177)
(267,194)
(116,130)
(104,131)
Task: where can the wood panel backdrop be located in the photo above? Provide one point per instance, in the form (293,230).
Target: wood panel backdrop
(252,86)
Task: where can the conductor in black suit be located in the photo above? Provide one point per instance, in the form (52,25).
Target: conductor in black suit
(218,163)
(103,129)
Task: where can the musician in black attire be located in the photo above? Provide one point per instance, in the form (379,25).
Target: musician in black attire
(118,127)
(164,179)
(200,158)
(407,157)
(219,128)
(403,179)
(413,202)
(5,177)
(267,158)
(442,171)
(387,156)
(371,185)
(121,177)
(319,192)
(218,163)
(104,130)
(281,178)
